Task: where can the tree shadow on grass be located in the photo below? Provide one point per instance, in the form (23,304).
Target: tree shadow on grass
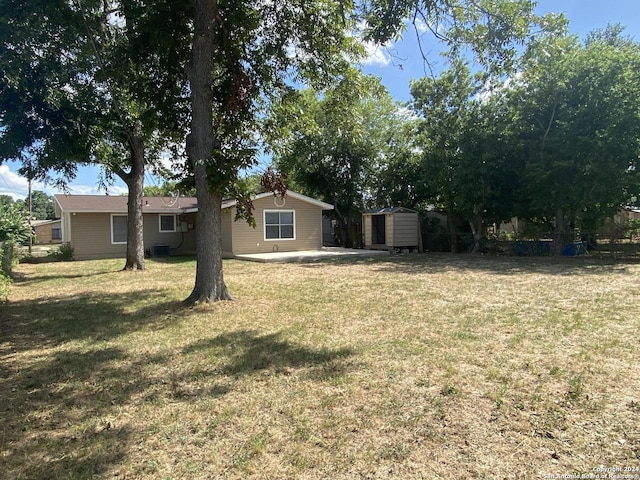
(74,413)
(437,263)
(55,409)
(245,352)
(41,322)
(32,281)
(62,413)
(69,271)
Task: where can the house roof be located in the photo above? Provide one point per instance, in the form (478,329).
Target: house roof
(290,194)
(118,204)
(38,223)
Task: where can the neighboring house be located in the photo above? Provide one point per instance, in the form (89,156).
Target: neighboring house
(47,231)
(96,225)
(519,226)
(627,213)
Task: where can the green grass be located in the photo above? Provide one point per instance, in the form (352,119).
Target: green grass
(417,366)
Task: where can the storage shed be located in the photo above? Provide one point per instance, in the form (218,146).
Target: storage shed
(392,229)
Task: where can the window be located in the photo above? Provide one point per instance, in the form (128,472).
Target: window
(118,229)
(56,234)
(279,225)
(167,223)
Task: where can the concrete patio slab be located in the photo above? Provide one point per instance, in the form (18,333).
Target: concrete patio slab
(310,255)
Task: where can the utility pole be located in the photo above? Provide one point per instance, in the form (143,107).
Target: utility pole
(30,215)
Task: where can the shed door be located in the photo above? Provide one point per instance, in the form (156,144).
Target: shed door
(378,229)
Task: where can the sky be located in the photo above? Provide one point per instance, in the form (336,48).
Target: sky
(396,64)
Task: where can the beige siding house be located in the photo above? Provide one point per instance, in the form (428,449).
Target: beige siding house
(289,224)
(95,225)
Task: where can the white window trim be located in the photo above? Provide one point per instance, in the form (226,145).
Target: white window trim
(264,227)
(111,228)
(175,222)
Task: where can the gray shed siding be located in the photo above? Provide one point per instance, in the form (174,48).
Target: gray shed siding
(405,229)
(401,230)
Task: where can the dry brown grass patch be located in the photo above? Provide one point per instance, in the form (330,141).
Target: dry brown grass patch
(423,366)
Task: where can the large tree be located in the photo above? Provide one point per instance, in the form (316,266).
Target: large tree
(241,52)
(91,82)
(467,150)
(578,109)
(41,206)
(330,143)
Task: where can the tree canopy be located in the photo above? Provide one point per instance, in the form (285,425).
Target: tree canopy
(14,222)
(577,109)
(491,31)
(41,206)
(91,82)
(466,168)
(330,144)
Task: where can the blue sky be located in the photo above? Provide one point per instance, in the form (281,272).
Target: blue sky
(401,62)
(396,65)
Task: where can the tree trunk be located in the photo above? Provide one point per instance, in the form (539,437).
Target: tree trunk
(349,227)
(345,232)
(209,284)
(559,232)
(451,230)
(135,228)
(479,233)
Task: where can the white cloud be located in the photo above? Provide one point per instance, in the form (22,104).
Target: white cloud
(12,184)
(421,26)
(93,190)
(377,55)
(17,187)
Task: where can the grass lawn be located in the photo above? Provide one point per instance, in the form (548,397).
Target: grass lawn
(403,367)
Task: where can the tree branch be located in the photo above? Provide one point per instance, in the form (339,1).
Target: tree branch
(546,133)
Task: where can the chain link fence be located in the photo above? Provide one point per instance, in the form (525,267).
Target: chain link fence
(619,237)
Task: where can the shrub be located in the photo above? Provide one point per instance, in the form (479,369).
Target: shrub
(5,287)
(65,252)
(7,257)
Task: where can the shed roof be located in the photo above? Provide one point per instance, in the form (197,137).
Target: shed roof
(389,210)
